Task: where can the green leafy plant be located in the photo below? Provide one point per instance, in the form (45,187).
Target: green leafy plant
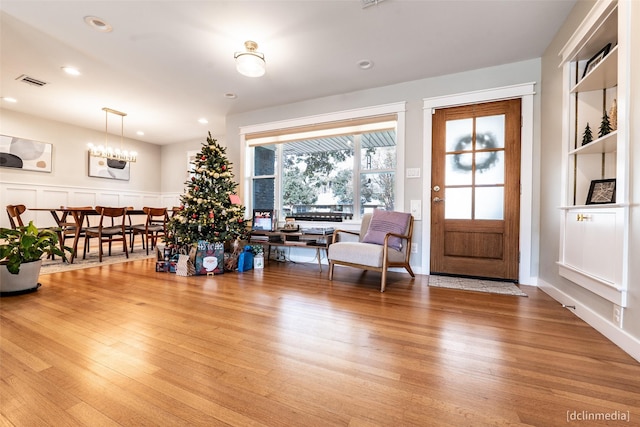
(257,249)
(27,244)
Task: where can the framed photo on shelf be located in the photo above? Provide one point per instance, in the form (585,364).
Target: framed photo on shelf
(602,191)
(596,59)
(263,220)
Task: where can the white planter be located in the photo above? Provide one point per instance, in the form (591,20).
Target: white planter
(258,262)
(26,280)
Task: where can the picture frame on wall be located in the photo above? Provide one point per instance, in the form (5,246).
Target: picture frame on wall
(596,59)
(101,167)
(25,154)
(602,191)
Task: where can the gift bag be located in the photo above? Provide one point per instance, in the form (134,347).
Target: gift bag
(209,258)
(184,267)
(245,260)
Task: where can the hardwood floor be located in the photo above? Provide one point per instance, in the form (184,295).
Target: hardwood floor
(283,346)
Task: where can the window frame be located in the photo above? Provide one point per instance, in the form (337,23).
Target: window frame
(247,133)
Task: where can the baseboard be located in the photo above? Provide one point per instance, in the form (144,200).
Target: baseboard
(620,337)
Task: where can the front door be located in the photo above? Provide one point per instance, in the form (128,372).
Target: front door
(475,193)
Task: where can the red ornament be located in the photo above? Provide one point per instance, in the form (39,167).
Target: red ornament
(196,188)
(224,168)
(211,214)
(203,158)
(194,216)
(193,179)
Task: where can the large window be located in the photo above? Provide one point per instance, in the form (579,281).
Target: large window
(338,169)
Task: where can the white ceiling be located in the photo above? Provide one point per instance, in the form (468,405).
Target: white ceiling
(169,63)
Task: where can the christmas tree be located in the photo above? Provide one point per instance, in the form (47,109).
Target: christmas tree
(587,136)
(605,126)
(207,211)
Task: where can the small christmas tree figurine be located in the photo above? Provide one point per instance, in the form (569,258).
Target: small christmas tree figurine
(605,126)
(207,211)
(587,136)
(613,115)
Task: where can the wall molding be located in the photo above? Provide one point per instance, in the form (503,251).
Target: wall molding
(47,196)
(618,336)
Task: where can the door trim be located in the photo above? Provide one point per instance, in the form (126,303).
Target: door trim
(525,91)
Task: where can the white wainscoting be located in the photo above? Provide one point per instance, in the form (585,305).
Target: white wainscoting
(51,196)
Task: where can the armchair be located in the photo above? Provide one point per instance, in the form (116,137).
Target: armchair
(353,250)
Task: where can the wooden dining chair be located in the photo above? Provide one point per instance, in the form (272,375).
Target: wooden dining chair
(14,212)
(111,228)
(154,227)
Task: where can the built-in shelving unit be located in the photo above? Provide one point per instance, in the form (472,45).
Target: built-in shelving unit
(594,237)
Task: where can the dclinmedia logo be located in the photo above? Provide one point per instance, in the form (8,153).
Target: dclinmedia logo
(622,416)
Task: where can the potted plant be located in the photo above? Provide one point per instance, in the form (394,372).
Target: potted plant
(21,252)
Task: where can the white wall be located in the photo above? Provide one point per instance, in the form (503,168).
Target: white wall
(413,94)
(590,307)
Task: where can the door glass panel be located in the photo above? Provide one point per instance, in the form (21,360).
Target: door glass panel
(489,203)
(458,137)
(458,169)
(490,132)
(457,203)
(490,167)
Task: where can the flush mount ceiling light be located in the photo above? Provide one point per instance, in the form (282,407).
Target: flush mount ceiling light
(108,152)
(250,63)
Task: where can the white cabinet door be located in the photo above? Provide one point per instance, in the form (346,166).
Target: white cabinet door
(593,243)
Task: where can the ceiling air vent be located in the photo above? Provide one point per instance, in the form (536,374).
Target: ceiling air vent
(31,80)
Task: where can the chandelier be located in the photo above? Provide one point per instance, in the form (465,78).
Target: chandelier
(109,152)
(250,63)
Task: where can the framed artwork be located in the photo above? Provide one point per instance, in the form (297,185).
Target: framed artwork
(100,167)
(263,220)
(20,153)
(595,59)
(602,191)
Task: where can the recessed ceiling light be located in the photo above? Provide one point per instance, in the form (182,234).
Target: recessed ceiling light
(365,64)
(140,133)
(203,121)
(9,99)
(98,24)
(71,71)
(230,95)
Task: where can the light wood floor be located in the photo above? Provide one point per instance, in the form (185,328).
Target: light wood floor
(283,346)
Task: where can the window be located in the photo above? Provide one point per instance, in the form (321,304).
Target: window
(326,169)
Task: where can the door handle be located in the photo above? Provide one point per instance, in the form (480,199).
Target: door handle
(437,200)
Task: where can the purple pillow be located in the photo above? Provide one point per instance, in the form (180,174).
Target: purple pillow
(383,222)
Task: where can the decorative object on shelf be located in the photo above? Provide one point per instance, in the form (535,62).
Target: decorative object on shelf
(605,126)
(613,115)
(250,63)
(595,59)
(206,211)
(20,153)
(587,136)
(263,220)
(108,152)
(602,191)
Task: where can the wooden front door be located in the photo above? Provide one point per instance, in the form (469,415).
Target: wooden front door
(475,193)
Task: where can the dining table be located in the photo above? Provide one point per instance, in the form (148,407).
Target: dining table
(78,214)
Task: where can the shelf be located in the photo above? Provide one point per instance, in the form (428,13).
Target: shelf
(606,144)
(603,76)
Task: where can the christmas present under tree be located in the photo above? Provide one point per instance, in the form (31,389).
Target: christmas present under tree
(207,210)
